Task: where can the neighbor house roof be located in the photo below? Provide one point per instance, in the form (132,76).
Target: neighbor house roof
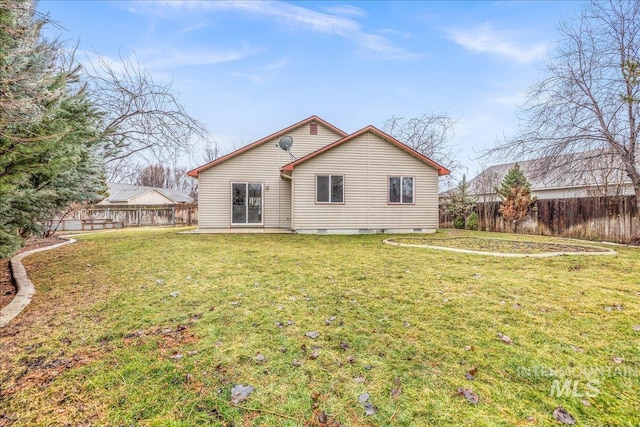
(441,169)
(588,168)
(194,173)
(122,193)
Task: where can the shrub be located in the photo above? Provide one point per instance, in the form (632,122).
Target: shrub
(472,222)
(459,222)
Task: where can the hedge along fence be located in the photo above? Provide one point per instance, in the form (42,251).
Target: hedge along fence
(600,218)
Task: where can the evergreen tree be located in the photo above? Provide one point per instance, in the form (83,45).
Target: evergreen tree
(48,129)
(472,222)
(515,192)
(514,178)
(461,203)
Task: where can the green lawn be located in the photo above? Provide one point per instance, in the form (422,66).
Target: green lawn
(108,341)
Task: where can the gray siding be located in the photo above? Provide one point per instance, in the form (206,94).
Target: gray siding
(366,163)
(260,164)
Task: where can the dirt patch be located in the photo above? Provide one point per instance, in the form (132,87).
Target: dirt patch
(7,287)
(500,246)
(168,338)
(171,341)
(40,242)
(40,372)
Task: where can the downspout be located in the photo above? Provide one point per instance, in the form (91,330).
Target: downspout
(368,181)
(291,217)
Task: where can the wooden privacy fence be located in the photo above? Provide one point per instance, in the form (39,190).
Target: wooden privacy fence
(612,219)
(144,215)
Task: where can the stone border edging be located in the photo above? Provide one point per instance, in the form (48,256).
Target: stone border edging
(25,289)
(606,251)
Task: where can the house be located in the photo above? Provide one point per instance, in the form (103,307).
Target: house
(584,174)
(127,194)
(327,181)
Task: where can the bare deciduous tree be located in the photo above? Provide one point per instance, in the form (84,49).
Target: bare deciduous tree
(123,171)
(429,134)
(141,118)
(484,184)
(603,175)
(589,99)
(155,176)
(159,176)
(211,151)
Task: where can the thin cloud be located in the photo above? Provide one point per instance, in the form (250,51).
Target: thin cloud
(92,61)
(403,34)
(259,74)
(182,58)
(382,46)
(486,39)
(156,61)
(275,65)
(251,77)
(294,15)
(346,10)
(291,15)
(194,27)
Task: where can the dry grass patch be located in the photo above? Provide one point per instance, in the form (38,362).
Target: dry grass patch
(502,245)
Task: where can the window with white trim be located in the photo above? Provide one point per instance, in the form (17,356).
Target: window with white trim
(246,203)
(329,188)
(401,189)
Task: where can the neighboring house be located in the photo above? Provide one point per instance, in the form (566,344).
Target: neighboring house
(366,182)
(127,194)
(587,174)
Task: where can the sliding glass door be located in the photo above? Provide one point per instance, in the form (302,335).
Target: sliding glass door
(246,203)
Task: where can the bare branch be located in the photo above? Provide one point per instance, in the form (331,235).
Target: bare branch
(588,103)
(429,134)
(159,176)
(211,151)
(141,118)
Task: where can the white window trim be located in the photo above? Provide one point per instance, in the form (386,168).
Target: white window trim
(413,189)
(330,192)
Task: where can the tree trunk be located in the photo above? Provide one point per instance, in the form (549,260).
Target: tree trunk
(634,176)
(636,189)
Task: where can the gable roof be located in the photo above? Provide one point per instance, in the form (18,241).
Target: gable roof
(441,169)
(194,173)
(120,193)
(587,168)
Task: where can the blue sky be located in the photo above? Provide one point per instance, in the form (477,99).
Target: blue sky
(247,69)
